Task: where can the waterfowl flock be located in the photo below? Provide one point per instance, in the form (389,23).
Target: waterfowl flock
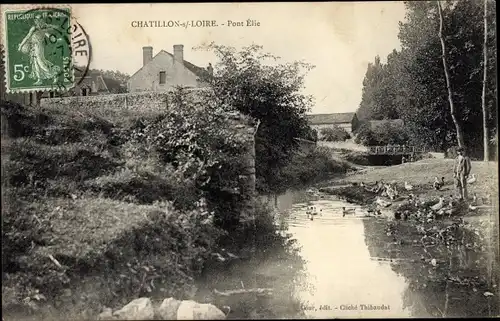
(443,206)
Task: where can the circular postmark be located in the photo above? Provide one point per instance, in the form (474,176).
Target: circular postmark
(65,44)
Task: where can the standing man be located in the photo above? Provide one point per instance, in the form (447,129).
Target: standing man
(461,172)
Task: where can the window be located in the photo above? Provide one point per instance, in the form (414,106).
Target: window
(84,92)
(52,94)
(163,77)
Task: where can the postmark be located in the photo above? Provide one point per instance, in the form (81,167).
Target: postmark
(40,54)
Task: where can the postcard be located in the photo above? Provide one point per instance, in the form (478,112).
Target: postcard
(202,161)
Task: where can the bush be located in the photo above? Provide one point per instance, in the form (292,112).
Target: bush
(335,134)
(125,244)
(305,169)
(359,158)
(389,134)
(365,136)
(31,164)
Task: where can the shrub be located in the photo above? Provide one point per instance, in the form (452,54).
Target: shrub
(335,134)
(389,134)
(365,136)
(32,164)
(359,158)
(125,244)
(195,138)
(305,169)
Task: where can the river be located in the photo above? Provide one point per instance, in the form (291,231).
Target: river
(337,276)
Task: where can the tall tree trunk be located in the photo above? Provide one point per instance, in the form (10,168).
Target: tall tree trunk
(458,128)
(483,98)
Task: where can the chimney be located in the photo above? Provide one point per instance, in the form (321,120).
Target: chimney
(147,55)
(179,53)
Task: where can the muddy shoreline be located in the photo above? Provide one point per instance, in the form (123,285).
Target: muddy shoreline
(446,279)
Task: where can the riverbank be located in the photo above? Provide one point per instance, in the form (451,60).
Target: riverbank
(95,213)
(451,263)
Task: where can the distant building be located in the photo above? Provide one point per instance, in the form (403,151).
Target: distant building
(348,121)
(164,71)
(90,85)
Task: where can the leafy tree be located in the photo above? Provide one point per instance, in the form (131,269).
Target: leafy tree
(453,113)
(365,136)
(377,101)
(259,85)
(388,134)
(335,134)
(413,79)
(486,143)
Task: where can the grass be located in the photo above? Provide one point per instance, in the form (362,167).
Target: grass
(74,193)
(421,175)
(468,255)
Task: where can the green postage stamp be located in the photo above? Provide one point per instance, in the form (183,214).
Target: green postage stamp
(38,50)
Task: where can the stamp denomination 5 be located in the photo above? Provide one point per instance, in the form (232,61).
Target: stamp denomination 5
(38,49)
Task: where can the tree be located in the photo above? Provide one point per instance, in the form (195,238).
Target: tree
(458,127)
(414,83)
(377,100)
(257,84)
(485,79)
(335,134)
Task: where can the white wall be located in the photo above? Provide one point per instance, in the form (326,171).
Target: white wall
(148,78)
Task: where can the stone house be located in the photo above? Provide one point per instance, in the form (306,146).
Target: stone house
(165,70)
(347,121)
(90,85)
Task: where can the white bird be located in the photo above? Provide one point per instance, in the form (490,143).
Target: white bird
(472,180)
(474,199)
(439,205)
(438,184)
(219,257)
(390,192)
(408,187)
(472,208)
(382,203)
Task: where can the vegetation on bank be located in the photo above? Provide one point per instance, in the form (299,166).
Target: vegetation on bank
(451,263)
(411,83)
(334,134)
(102,206)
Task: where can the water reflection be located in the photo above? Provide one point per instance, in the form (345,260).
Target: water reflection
(332,276)
(343,280)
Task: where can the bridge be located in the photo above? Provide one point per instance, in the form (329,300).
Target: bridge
(396,150)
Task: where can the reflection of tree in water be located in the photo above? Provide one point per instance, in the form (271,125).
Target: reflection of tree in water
(455,286)
(277,264)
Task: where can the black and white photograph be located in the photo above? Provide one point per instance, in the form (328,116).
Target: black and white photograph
(249,160)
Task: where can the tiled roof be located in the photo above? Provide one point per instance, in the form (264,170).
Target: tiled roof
(94,78)
(336,118)
(379,123)
(198,71)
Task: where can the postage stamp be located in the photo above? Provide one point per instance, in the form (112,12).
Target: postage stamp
(38,49)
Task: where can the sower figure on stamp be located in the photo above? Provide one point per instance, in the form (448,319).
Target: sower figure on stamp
(33,45)
(461,172)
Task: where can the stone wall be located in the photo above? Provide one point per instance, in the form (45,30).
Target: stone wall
(138,101)
(146,102)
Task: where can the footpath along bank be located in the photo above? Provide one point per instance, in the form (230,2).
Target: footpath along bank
(451,260)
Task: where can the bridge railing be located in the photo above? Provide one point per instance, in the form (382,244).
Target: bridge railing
(395,150)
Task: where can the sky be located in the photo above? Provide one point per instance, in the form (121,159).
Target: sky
(339,38)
